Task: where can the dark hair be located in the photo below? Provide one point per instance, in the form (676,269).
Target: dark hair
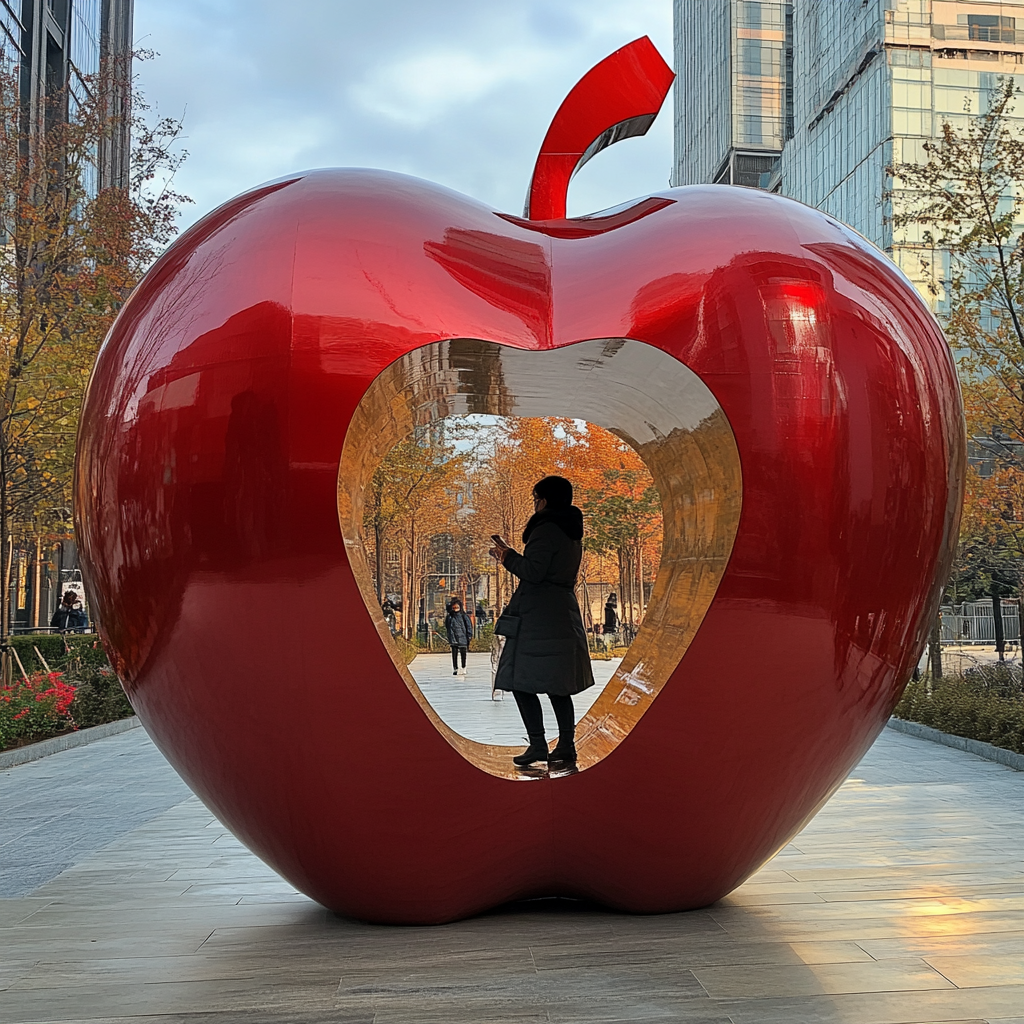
(455,601)
(72,595)
(555,490)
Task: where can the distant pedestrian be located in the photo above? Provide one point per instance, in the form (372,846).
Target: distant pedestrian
(611,614)
(70,615)
(459,627)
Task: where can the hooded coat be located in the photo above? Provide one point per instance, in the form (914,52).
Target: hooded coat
(545,643)
(459,627)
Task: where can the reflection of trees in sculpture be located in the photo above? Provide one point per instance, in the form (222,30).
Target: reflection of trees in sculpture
(480,481)
(624,517)
(413,497)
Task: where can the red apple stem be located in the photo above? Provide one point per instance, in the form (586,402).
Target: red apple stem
(619,98)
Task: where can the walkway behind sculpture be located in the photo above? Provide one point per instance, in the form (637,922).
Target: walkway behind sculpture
(902,901)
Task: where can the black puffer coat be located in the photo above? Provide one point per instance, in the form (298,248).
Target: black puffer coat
(548,652)
(459,627)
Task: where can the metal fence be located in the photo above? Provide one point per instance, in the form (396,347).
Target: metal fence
(974,623)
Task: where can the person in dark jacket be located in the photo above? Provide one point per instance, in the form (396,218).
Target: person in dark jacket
(545,642)
(459,627)
(611,614)
(69,613)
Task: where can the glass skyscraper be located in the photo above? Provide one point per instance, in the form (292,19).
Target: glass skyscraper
(734,100)
(870,82)
(58,43)
(11,31)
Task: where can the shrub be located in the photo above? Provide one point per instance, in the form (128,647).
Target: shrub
(84,650)
(985,706)
(83,690)
(99,698)
(34,708)
(407,648)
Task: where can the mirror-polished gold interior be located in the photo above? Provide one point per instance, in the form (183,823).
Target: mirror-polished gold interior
(655,404)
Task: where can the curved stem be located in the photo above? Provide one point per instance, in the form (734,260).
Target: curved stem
(619,98)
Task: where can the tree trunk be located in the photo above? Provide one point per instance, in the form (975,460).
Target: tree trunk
(5,552)
(8,559)
(935,648)
(378,541)
(413,608)
(37,582)
(997,619)
(622,588)
(640,575)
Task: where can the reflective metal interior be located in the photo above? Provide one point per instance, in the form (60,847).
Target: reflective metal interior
(646,397)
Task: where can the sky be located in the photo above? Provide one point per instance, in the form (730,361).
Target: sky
(459,92)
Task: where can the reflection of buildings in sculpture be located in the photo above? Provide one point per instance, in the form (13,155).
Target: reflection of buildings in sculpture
(870,84)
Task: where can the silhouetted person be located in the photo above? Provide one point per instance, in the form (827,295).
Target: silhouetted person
(611,614)
(459,627)
(545,642)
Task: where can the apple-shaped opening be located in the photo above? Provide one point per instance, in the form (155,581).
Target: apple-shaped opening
(650,400)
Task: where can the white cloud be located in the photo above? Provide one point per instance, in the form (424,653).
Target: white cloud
(455,91)
(423,87)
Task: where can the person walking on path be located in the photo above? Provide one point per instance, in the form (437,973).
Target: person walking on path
(546,647)
(459,627)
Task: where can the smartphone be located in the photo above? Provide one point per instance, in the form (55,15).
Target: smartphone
(497,540)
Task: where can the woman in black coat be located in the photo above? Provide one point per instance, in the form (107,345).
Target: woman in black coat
(459,627)
(545,643)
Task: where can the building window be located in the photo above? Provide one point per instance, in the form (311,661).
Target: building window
(991,28)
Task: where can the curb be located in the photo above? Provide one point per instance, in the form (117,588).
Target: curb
(34,751)
(976,747)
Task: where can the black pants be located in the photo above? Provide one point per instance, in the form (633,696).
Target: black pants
(456,650)
(533,716)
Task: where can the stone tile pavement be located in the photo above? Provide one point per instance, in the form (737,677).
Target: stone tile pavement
(903,901)
(56,811)
(465,702)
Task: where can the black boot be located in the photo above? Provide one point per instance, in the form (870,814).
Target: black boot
(565,749)
(536,751)
(564,753)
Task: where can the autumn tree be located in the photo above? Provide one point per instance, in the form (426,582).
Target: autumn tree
(457,483)
(72,254)
(967,200)
(613,488)
(412,499)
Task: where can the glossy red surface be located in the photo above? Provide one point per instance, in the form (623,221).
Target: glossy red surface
(206,495)
(619,98)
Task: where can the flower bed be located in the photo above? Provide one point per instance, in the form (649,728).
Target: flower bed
(34,708)
(70,686)
(986,705)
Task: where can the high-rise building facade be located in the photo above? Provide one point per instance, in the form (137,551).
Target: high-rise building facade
(871,82)
(734,99)
(57,44)
(63,48)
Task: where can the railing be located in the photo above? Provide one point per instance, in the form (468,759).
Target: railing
(974,623)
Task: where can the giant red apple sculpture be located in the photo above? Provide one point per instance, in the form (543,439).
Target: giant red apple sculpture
(207,501)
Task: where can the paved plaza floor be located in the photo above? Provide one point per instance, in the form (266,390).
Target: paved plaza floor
(467,705)
(123,900)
